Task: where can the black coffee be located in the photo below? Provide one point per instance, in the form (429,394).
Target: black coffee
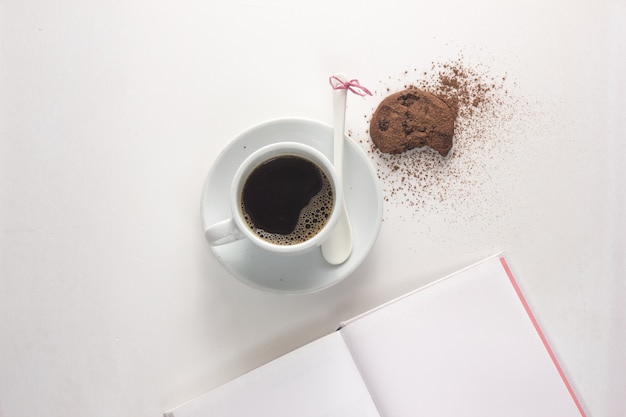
(287,200)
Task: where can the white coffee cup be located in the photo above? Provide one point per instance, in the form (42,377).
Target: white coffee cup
(240,226)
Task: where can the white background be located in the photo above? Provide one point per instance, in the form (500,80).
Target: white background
(111,114)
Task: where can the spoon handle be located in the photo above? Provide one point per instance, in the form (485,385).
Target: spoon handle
(339,117)
(338,247)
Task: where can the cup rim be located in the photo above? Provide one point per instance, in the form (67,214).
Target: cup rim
(268,152)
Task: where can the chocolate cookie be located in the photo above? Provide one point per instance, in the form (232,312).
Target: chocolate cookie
(411,119)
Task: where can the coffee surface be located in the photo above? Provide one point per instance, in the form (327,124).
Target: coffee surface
(287,200)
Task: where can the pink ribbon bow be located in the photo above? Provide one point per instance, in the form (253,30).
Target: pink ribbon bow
(352,85)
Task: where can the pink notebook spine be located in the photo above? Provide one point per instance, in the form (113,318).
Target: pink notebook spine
(542,336)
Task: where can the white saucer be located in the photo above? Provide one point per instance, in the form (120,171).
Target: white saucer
(308,272)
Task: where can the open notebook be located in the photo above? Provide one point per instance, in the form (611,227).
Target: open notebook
(466,345)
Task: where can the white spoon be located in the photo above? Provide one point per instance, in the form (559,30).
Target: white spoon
(338,247)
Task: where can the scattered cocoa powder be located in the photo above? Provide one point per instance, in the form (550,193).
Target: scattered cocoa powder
(483,105)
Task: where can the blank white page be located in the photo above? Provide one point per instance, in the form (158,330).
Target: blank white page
(466,345)
(319,379)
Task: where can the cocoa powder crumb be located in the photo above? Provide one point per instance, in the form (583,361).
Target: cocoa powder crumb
(482,105)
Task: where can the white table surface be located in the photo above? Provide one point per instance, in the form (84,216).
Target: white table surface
(111,114)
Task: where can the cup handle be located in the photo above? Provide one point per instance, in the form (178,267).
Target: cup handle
(222,232)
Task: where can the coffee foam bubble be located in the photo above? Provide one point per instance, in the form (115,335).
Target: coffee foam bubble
(312,220)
